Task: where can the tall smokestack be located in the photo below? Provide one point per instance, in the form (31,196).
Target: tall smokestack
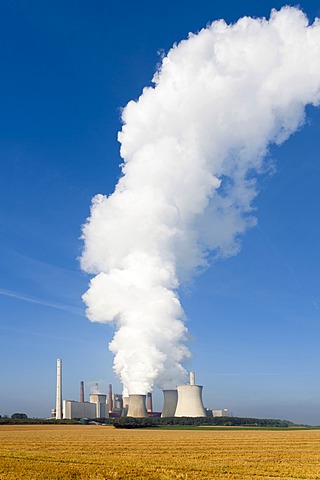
(192,378)
(170,399)
(149,402)
(137,406)
(59,390)
(81,392)
(110,403)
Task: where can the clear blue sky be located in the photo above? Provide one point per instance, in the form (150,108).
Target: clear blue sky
(67,69)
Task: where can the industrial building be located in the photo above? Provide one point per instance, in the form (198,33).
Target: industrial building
(225,412)
(73,409)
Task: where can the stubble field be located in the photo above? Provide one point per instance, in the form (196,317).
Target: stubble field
(59,452)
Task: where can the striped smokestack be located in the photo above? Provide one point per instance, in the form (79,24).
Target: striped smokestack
(82,392)
(149,402)
(59,390)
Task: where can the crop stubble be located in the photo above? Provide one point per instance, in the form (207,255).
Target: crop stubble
(59,452)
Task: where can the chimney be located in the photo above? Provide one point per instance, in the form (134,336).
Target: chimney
(149,402)
(110,403)
(81,392)
(59,390)
(192,378)
(170,399)
(137,406)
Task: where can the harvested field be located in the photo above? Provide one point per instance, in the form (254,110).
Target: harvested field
(59,452)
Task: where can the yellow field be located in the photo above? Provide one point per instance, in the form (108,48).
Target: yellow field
(59,452)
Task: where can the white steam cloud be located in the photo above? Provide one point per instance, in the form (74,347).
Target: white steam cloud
(192,146)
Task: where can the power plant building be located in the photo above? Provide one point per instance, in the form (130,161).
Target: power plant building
(73,409)
(225,412)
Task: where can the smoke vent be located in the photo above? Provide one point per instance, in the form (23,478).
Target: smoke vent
(170,399)
(137,406)
(190,400)
(81,392)
(59,390)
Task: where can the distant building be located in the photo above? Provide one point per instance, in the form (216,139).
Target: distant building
(225,412)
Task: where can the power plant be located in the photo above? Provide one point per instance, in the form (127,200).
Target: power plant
(184,401)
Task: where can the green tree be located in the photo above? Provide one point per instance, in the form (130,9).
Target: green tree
(19,416)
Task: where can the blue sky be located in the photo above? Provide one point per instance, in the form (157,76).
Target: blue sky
(67,70)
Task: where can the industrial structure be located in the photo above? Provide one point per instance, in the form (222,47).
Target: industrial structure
(225,412)
(137,406)
(170,400)
(184,401)
(59,390)
(190,400)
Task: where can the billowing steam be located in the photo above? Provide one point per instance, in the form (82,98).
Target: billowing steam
(192,146)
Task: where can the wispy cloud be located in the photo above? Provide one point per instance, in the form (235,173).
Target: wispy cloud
(39,301)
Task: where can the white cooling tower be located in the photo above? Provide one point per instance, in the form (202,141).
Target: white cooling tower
(190,400)
(59,390)
(137,406)
(170,399)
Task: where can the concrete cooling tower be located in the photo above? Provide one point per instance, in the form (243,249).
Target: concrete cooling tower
(190,400)
(137,406)
(170,399)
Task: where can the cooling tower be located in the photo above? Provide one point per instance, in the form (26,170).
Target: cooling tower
(170,399)
(137,406)
(125,406)
(149,402)
(59,390)
(190,400)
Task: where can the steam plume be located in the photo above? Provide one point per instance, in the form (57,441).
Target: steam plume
(192,147)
